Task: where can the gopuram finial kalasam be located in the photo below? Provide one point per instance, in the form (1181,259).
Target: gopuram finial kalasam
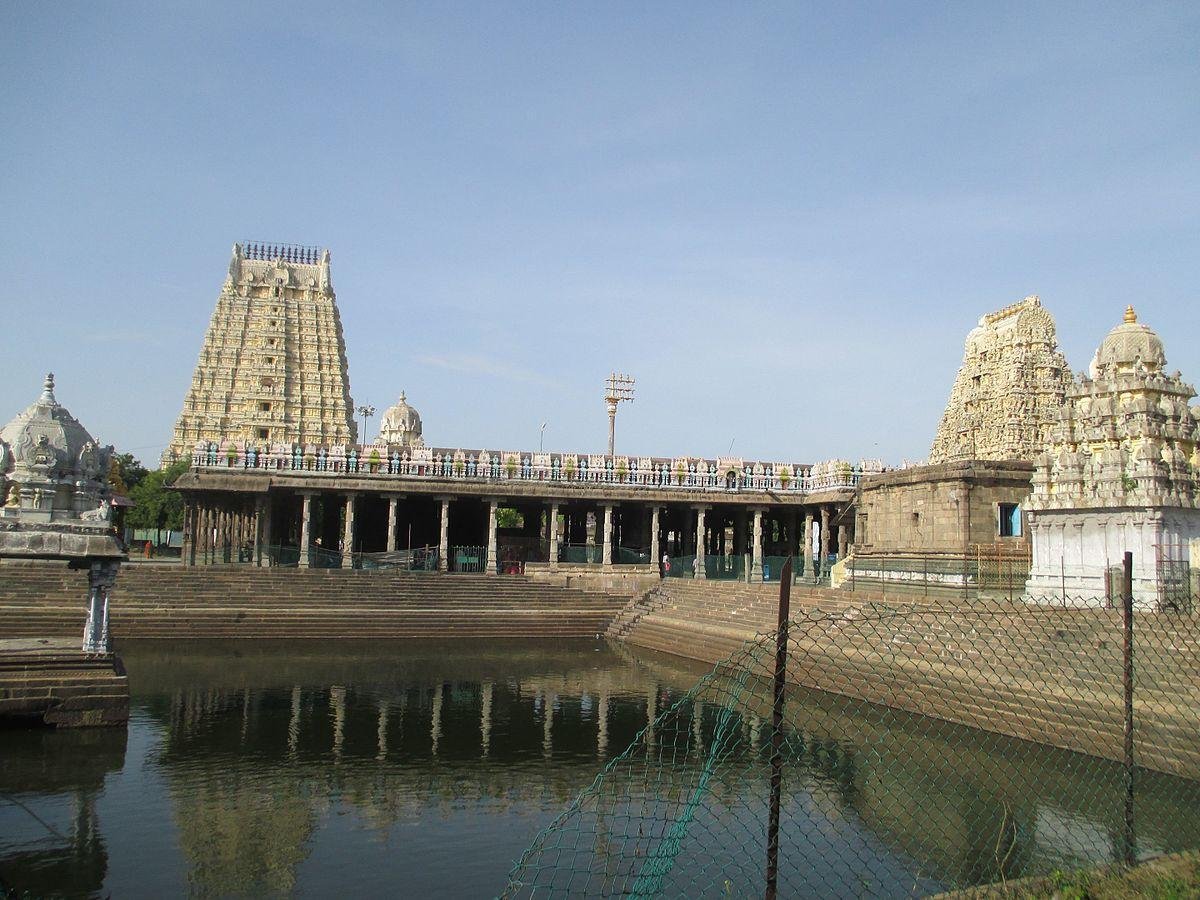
(1130,315)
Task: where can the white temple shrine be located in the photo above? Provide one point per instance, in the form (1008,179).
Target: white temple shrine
(1121,473)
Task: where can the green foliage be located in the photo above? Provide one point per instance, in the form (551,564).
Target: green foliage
(509,518)
(125,473)
(155,505)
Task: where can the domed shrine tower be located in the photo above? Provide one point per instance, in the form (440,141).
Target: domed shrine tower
(54,479)
(1121,472)
(400,426)
(1008,390)
(272,369)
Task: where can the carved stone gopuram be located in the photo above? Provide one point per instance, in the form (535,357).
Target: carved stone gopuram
(1121,472)
(273,365)
(1008,391)
(400,426)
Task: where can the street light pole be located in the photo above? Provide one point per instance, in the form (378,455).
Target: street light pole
(541,437)
(366,411)
(617,388)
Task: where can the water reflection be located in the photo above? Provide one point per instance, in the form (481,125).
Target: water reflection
(320,769)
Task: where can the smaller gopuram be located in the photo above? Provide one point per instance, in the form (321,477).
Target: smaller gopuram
(56,511)
(1009,388)
(400,426)
(56,501)
(1121,472)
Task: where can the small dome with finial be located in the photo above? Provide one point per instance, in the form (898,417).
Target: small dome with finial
(46,450)
(1129,347)
(401,424)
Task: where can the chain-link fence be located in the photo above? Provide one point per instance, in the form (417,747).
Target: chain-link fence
(923,746)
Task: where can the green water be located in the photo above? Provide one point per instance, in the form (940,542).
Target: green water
(424,769)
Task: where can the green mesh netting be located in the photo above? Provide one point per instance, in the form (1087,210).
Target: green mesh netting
(879,799)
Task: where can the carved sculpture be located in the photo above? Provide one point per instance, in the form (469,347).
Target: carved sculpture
(1008,390)
(272,368)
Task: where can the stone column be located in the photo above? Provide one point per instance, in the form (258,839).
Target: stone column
(393,500)
(756,548)
(348,534)
(101,578)
(606,559)
(493,504)
(263,531)
(305,531)
(843,540)
(654,548)
(553,536)
(808,554)
(187,551)
(824,537)
(700,542)
(444,537)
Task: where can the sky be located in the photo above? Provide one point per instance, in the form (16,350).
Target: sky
(782,219)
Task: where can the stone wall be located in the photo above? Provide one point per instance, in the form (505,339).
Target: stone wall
(938,510)
(1051,676)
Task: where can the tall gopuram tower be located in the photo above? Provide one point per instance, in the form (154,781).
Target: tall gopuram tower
(273,366)
(1008,391)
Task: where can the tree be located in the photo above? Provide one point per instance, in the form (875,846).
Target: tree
(155,505)
(125,473)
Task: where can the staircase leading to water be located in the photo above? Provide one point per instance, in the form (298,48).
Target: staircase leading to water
(173,602)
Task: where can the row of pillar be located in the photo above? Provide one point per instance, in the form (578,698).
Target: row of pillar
(213,531)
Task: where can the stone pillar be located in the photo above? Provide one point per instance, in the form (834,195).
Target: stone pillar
(263,551)
(187,551)
(305,531)
(444,537)
(808,554)
(606,559)
(654,548)
(756,548)
(824,537)
(843,540)
(101,578)
(348,533)
(700,571)
(553,535)
(393,500)
(493,504)
(793,547)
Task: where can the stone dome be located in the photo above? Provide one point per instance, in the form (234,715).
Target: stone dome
(1129,346)
(401,424)
(48,439)
(50,461)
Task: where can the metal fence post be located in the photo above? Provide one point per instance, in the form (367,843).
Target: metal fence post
(781,640)
(1129,840)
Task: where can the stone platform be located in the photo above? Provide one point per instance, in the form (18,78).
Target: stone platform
(51,681)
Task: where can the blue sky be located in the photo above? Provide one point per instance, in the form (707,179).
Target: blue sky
(782,219)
